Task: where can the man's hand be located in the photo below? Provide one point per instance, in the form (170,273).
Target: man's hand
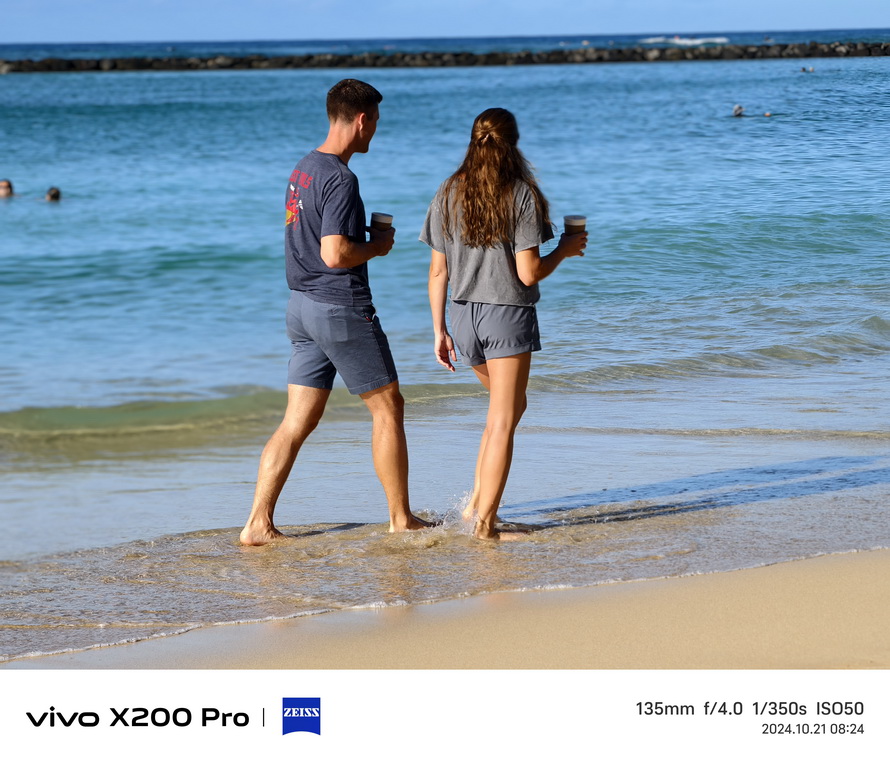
(381,241)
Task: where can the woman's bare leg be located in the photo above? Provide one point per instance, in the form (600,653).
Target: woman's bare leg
(470,509)
(507,383)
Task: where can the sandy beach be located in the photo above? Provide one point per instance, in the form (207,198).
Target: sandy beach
(821,613)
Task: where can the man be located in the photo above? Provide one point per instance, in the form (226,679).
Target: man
(330,319)
(6,188)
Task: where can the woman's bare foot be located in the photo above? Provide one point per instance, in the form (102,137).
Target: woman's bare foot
(259,534)
(469,513)
(483,531)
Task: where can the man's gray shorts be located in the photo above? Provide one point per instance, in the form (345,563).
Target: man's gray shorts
(327,339)
(484,331)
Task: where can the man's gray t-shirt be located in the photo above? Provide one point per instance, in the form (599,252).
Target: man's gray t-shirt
(487,275)
(322,199)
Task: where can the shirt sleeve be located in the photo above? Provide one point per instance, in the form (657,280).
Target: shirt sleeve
(341,208)
(530,231)
(432,233)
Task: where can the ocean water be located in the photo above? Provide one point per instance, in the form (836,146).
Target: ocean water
(711,394)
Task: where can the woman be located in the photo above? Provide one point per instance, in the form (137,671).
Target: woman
(485,227)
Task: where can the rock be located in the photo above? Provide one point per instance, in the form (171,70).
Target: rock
(430,59)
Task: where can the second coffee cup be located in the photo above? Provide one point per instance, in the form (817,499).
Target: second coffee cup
(381,221)
(575,224)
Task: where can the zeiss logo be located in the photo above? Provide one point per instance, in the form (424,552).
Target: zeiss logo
(301,714)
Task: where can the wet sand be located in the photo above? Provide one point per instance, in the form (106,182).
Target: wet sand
(826,612)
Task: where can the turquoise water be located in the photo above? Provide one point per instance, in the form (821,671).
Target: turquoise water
(711,394)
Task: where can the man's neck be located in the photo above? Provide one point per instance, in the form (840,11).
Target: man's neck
(338,142)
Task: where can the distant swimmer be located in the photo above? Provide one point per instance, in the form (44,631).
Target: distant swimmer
(53,194)
(6,188)
(739,111)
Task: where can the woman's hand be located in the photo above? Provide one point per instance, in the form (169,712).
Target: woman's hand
(573,244)
(444,350)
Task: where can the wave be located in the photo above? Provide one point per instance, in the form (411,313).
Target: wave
(153,634)
(684,41)
(169,586)
(807,434)
(763,363)
(247,410)
(141,417)
(178,422)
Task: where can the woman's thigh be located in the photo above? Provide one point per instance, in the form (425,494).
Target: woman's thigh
(506,379)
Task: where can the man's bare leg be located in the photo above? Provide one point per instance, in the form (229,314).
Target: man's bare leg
(507,379)
(305,406)
(390,449)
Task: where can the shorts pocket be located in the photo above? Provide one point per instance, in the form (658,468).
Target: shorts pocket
(367,313)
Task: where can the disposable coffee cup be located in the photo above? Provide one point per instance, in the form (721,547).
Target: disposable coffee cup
(575,224)
(381,221)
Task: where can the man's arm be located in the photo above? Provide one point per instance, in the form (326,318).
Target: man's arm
(340,252)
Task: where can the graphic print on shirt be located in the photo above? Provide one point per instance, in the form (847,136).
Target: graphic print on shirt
(294,203)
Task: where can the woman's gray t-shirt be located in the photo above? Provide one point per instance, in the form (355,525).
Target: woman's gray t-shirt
(487,274)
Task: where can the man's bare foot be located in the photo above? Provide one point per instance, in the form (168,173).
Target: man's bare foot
(256,534)
(411,523)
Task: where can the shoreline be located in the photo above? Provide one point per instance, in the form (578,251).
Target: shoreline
(828,612)
(428,59)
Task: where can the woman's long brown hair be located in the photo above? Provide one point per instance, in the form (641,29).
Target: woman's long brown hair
(482,188)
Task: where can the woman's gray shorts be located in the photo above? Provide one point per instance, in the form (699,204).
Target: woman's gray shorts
(484,331)
(327,339)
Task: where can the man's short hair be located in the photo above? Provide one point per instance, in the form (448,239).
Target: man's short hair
(349,98)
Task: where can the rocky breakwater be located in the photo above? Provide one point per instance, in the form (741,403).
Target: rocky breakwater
(398,59)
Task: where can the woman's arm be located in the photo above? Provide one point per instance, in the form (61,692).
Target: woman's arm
(443,346)
(532,268)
